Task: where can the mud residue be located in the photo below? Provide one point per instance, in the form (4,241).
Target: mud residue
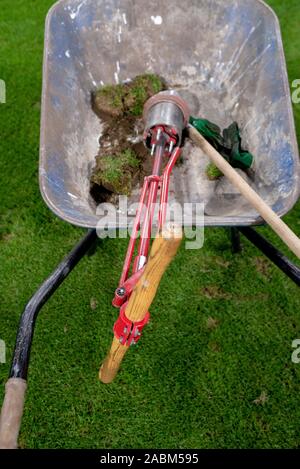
(122,160)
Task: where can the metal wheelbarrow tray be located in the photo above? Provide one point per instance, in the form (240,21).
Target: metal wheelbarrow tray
(226,58)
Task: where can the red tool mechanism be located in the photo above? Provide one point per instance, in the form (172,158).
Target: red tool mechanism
(165,116)
(126,331)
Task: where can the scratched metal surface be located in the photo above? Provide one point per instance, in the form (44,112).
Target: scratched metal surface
(225,57)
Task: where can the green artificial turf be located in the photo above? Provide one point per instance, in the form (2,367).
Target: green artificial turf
(213,369)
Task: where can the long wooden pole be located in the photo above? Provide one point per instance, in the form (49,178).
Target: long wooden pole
(162,252)
(282,230)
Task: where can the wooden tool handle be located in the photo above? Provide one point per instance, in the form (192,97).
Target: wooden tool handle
(112,362)
(12,412)
(162,252)
(282,230)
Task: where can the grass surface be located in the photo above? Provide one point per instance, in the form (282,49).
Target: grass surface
(128,99)
(114,171)
(213,369)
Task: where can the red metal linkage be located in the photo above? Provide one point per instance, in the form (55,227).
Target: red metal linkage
(134,234)
(122,293)
(165,187)
(148,220)
(126,331)
(149,192)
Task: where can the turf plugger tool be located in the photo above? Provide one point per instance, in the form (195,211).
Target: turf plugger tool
(165,116)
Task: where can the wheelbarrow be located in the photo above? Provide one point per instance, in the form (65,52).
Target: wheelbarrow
(226,59)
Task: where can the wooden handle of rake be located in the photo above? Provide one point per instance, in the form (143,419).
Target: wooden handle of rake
(162,252)
(282,230)
(11,413)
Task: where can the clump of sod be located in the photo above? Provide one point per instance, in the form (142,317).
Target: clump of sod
(212,172)
(119,163)
(114,171)
(141,89)
(127,99)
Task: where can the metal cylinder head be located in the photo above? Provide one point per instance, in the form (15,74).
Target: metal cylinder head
(168,110)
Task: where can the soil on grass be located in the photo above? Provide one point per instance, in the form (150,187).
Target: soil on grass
(122,160)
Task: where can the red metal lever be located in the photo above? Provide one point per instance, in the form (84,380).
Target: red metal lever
(144,221)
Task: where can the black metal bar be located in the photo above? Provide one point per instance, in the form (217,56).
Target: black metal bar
(279,259)
(235,241)
(20,362)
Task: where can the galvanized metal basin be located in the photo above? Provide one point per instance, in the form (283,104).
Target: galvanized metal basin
(225,57)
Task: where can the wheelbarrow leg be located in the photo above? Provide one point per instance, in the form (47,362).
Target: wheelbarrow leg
(235,237)
(12,408)
(278,258)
